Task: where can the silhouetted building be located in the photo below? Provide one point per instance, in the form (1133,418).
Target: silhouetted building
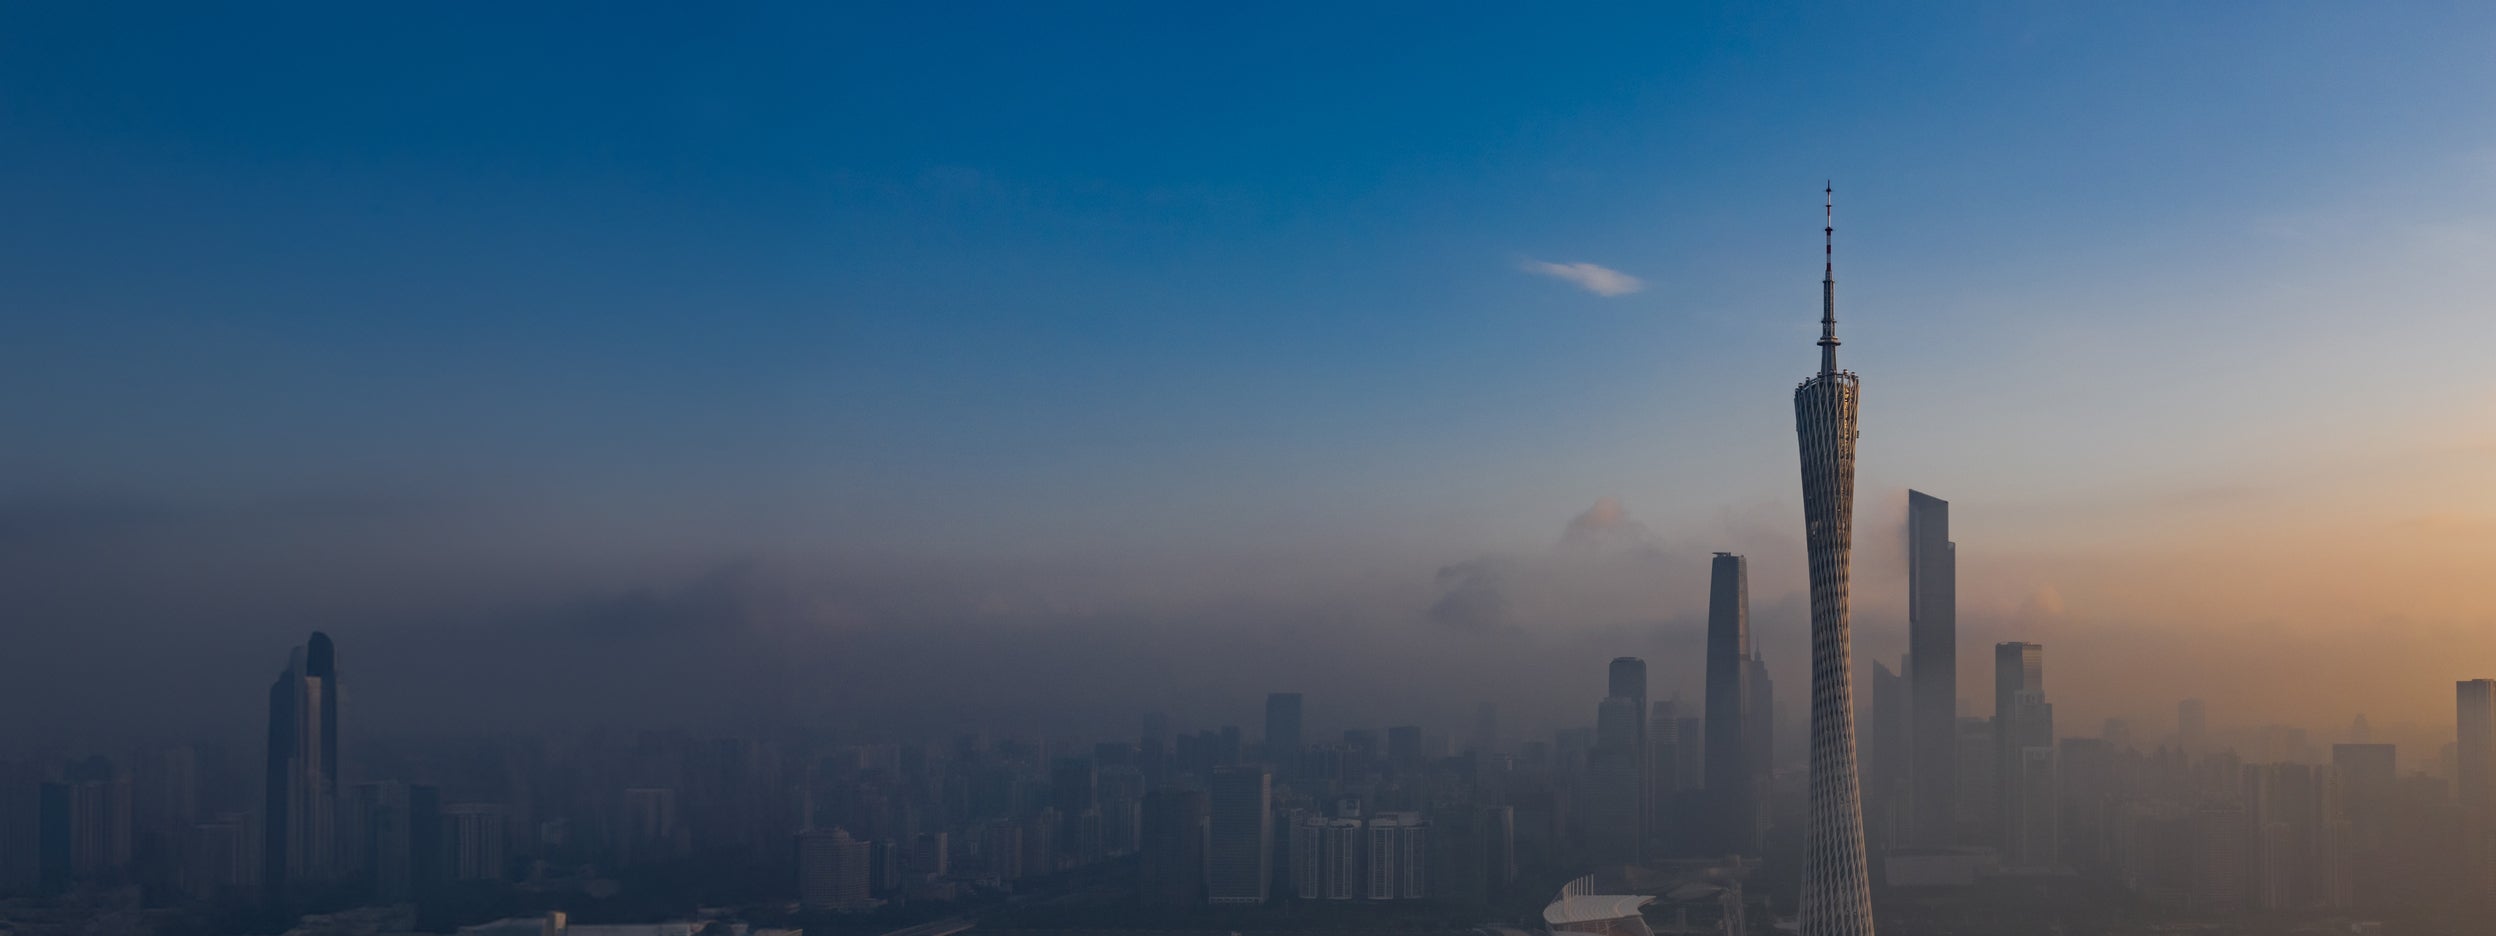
(1241,860)
(21,836)
(100,821)
(832,871)
(1172,864)
(1478,846)
(1485,729)
(2087,792)
(473,836)
(1888,796)
(425,846)
(1761,744)
(2219,865)
(301,781)
(1073,792)
(1933,645)
(2365,784)
(54,837)
(2023,726)
(1001,849)
(1976,787)
(1039,840)
(1359,755)
(1615,788)
(2156,858)
(1226,741)
(2039,842)
(216,859)
(931,855)
(1663,766)
(1627,678)
(1404,749)
(320,661)
(1282,734)
(385,834)
(2292,841)
(1690,756)
(2475,784)
(650,833)
(1732,793)
(1122,810)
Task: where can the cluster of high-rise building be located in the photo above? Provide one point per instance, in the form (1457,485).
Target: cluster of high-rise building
(1658,783)
(1206,819)
(2202,821)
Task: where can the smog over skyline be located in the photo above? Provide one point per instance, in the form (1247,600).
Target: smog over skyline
(878,374)
(278,363)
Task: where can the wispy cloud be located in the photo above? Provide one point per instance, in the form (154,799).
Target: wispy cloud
(1602,281)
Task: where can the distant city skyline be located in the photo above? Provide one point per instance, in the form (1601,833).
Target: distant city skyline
(1201,825)
(859,469)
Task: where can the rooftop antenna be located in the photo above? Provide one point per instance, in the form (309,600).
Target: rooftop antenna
(1828,280)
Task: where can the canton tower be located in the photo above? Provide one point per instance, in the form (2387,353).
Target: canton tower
(1837,893)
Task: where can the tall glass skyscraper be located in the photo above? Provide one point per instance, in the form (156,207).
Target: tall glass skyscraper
(1732,797)
(1837,890)
(1933,686)
(301,783)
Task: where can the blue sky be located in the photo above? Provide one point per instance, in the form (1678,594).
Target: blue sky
(1159,289)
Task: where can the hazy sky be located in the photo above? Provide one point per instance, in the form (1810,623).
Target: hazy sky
(1409,355)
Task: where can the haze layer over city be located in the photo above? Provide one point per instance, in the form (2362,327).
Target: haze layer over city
(887,397)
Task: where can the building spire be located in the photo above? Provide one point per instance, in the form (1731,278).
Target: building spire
(1828,280)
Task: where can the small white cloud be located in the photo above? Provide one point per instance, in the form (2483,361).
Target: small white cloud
(1602,281)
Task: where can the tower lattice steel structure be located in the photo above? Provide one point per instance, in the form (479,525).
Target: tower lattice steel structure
(1837,891)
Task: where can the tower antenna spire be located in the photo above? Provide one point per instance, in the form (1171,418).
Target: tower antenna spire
(1828,279)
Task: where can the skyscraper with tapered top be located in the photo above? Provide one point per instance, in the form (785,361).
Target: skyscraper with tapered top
(1837,891)
(1933,687)
(1733,797)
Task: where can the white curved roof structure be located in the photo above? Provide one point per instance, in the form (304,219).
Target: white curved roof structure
(1593,908)
(1575,911)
